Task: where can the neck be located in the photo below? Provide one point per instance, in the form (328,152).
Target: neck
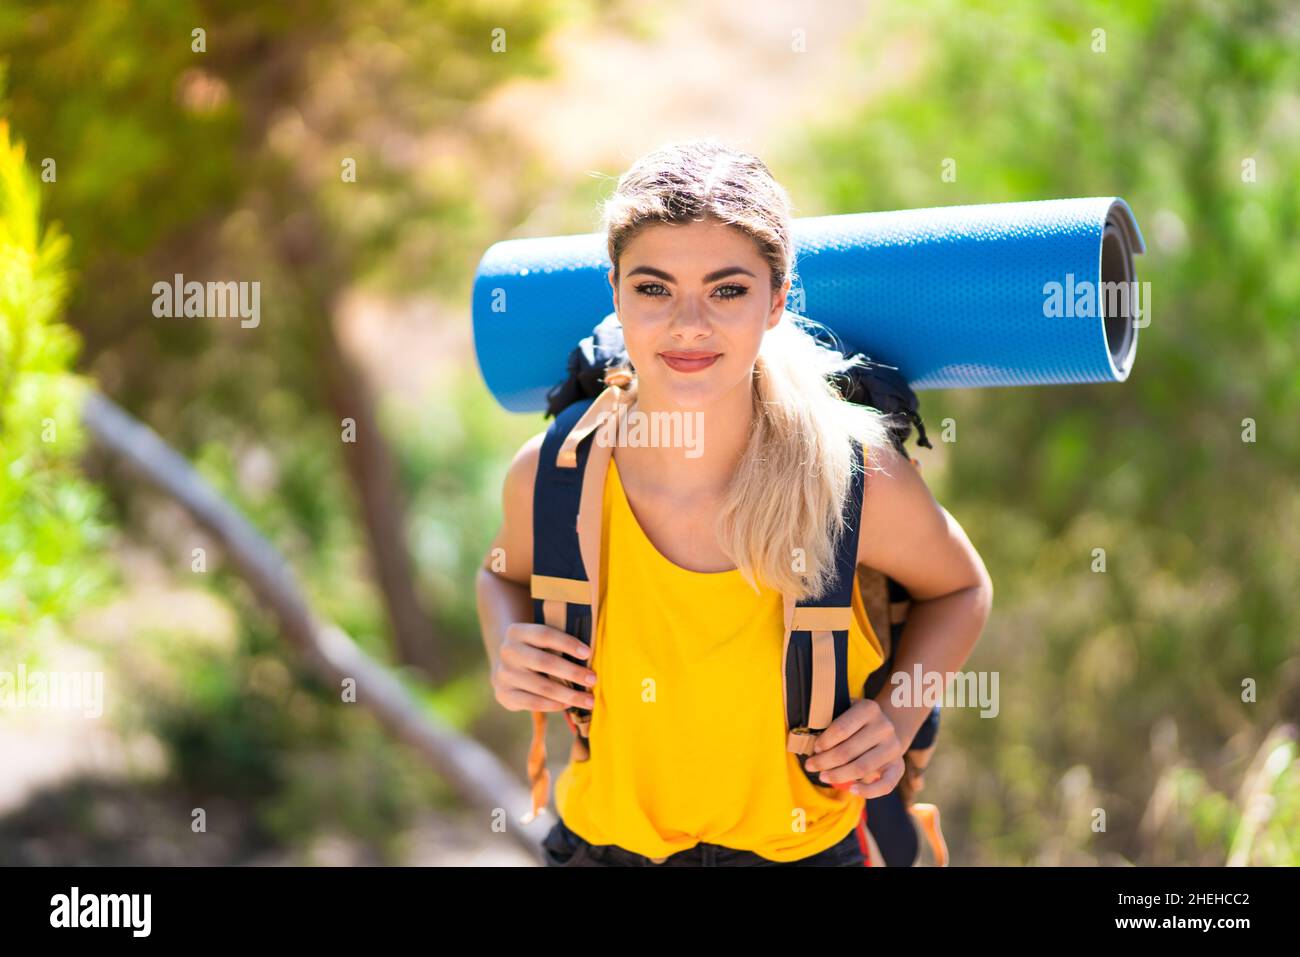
(699,452)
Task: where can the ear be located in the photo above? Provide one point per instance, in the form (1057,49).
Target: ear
(614,286)
(778,304)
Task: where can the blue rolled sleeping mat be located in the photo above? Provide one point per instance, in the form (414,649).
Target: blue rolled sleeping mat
(954,297)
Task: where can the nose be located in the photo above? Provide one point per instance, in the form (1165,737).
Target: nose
(689,321)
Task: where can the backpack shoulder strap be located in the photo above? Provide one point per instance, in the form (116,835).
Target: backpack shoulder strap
(815,649)
(568,505)
(557,494)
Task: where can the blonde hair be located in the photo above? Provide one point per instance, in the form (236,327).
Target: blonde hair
(782,517)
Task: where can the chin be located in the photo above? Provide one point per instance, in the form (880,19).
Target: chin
(692,396)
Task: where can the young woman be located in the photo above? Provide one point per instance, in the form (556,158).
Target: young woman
(688,761)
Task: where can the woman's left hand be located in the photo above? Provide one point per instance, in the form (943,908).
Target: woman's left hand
(859,751)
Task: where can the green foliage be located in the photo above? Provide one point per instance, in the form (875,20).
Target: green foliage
(48,515)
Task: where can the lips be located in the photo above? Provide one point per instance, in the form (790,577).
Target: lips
(689,361)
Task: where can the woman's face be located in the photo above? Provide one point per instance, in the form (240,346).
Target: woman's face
(694,300)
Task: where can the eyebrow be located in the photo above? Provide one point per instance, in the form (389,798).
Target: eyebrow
(711,277)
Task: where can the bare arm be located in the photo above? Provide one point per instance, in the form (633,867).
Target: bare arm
(909,536)
(520,652)
(501,585)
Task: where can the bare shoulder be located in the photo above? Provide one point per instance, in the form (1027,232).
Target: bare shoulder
(895,497)
(522,472)
(907,534)
(891,476)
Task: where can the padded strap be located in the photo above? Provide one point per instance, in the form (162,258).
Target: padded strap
(820,660)
(557,593)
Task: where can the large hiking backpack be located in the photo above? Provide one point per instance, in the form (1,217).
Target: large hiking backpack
(567,511)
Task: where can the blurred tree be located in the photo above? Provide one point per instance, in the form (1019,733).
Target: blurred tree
(210,140)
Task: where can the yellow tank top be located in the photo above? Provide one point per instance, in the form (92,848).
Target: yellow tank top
(688,730)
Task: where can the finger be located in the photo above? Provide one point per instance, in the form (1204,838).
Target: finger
(865,737)
(539,684)
(523,635)
(849,785)
(543,636)
(887,782)
(515,700)
(535,659)
(864,764)
(846,725)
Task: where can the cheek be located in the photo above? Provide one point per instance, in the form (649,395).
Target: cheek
(744,333)
(639,345)
(644,326)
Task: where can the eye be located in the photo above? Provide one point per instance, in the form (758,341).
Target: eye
(655,290)
(734,290)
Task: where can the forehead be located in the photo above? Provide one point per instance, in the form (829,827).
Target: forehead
(690,249)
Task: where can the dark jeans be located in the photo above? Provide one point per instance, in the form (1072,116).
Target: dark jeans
(564,848)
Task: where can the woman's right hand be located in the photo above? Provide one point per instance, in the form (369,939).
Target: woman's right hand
(530,660)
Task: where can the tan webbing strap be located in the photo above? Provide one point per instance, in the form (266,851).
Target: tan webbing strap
(548,588)
(555,614)
(800,741)
(554,593)
(557,594)
(619,387)
(821,622)
(538,776)
(837,618)
(821,708)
